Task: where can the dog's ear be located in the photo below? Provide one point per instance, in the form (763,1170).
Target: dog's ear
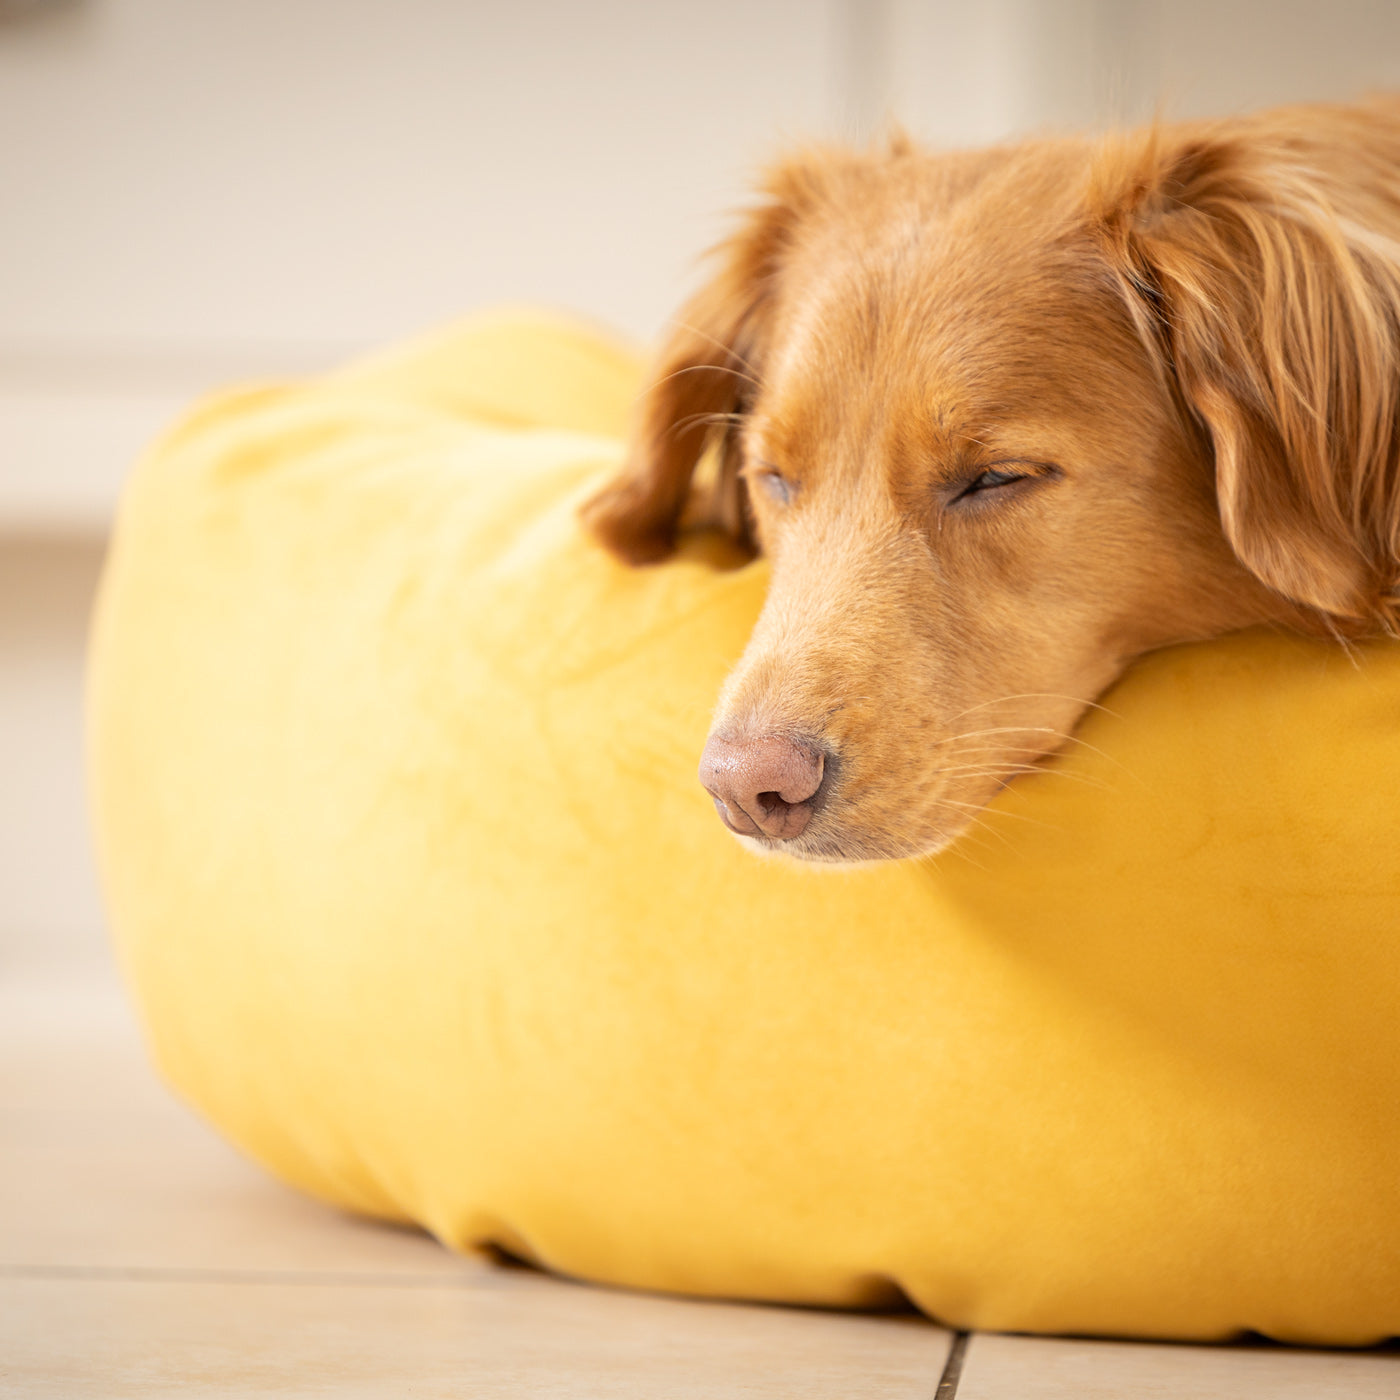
(700,386)
(1274,309)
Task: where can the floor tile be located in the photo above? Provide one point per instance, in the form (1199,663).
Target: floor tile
(1035,1368)
(508,1334)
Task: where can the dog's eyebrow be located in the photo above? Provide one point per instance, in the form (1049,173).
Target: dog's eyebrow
(955,450)
(960,427)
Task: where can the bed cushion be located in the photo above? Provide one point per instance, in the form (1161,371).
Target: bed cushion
(411,876)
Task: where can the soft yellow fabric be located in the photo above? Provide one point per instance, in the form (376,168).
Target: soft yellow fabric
(395,786)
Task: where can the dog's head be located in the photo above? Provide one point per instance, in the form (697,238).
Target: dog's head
(1004,421)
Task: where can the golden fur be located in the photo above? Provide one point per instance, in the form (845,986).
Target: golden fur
(1006,420)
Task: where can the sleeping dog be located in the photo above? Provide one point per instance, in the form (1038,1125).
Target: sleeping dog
(1005,420)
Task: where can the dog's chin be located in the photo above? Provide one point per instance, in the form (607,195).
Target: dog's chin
(850,849)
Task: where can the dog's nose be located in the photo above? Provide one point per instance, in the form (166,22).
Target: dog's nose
(762,786)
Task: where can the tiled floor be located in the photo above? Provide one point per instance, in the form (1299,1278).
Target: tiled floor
(139,1256)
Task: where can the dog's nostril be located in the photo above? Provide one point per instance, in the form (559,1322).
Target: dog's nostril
(763,786)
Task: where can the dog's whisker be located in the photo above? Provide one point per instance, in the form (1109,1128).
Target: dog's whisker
(699,369)
(730,351)
(1004,729)
(1057,734)
(974,770)
(966,838)
(981,807)
(988,766)
(1010,764)
(708,420)
(1035,695)
(975,825)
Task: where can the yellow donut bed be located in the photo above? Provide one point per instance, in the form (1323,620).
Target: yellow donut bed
(424,908)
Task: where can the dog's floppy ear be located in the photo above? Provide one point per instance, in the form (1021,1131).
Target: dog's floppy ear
(1275,307)
(700,385)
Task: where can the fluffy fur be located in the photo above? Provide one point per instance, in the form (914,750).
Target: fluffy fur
(1006,420)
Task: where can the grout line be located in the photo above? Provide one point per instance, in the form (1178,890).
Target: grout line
(952,1368)
(294,1278)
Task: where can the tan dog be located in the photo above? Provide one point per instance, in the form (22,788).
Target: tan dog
(1007,420)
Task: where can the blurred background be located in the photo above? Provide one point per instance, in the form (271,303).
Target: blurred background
(198,191)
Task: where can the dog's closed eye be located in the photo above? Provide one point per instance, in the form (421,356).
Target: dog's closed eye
(1001,480)
(990,480)
(778,488)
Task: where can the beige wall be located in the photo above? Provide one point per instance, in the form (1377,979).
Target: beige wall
(198,190)
(979,72)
